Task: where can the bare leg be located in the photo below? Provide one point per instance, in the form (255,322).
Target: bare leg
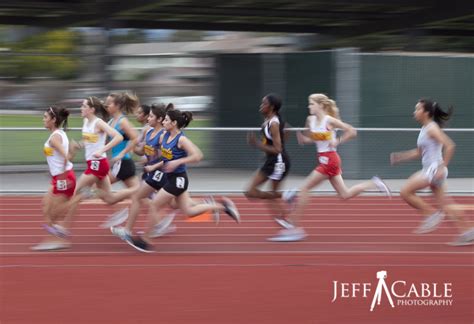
(408,193)
(253,191)
(346,193)
(312,180)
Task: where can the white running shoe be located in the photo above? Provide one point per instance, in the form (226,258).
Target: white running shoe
(231,209)
(115,219)
(50,246)
(164,226)
(430,223)
(162,231)
(382,186)
(283,223)
(121,232)
(466,238)
(289,235)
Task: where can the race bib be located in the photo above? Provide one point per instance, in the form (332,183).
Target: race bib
(95,165)
(61,185)
(180,182)
(280,167)
(323,160)
(157,176)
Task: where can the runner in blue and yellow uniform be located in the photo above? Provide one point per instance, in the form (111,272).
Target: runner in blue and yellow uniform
(176,151)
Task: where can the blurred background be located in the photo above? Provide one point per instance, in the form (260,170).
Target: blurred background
(375,58)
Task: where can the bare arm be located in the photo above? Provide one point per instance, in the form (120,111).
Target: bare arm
(271,149)
(116,137)
(398,157)
(194,155)
(349,131)
(305,136)
(448,144)
(131,134)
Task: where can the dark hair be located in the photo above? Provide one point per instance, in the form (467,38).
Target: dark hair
(99,107)
(275,101)
(182,118)
(126,101)
(60,114)
(159,110)
(436,112)
(145,109)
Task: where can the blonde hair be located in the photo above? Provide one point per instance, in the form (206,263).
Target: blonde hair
(127,102)
(329,105)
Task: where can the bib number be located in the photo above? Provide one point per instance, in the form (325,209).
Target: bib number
(280,167)
(180,182)
(95,165)
(61,185)
(157,176)
(323,160)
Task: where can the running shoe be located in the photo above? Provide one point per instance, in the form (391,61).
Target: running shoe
(51,246)
(230,209)
(466,238)
(215,214)
(56,230)
(382,186)
(121,232)
(294,234)
(283,222)
(164,226)
(116,219)
(430,223)
(140,244)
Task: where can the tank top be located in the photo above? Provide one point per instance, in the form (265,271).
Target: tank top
(152,146)
(93,141)
(267,137)
(321,134)
(170,151)
(123,144)
(431,150)
(54,158)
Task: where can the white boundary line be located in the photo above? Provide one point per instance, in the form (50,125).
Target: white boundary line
(232,265)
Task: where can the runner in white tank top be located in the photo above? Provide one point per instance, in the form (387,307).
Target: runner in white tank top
(431,142)
(63,180)
(94,133)
(321,124)
(321,134)
(94,140)
(54,158)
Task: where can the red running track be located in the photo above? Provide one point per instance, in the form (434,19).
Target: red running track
(231,274)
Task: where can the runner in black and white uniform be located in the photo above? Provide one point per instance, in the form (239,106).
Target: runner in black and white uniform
(277,162)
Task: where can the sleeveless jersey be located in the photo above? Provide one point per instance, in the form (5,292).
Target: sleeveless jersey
(170,151)
(54,159)
(93,141)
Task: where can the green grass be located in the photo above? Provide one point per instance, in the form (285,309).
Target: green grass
(26,147)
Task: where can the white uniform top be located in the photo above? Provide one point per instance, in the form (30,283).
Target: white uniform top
(54,158)
(93,141)
(431,150)
(266,128)
(321,134)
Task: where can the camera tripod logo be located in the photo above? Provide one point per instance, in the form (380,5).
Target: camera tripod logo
(381,287)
